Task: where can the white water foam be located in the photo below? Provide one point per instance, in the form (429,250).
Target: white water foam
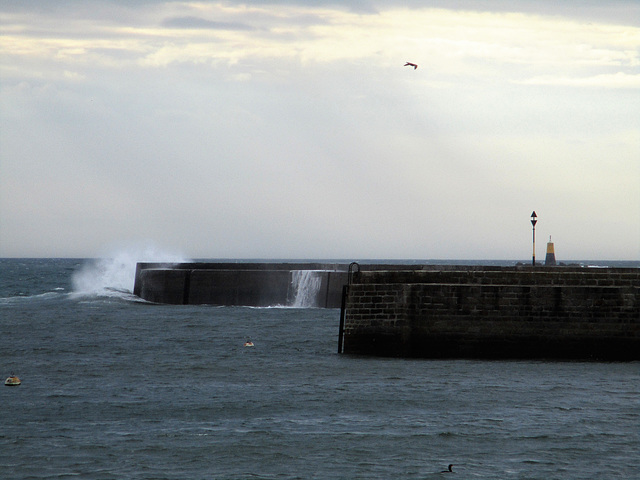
(306,285)
(28,298)
(115,276)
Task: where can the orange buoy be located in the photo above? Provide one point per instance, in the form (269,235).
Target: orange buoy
(551,254)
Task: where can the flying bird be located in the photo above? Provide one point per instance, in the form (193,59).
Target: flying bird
(409,64)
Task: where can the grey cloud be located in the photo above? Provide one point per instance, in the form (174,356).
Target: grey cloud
(197,22)
(357,6)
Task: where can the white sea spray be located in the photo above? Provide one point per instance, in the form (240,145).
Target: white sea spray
(115,274)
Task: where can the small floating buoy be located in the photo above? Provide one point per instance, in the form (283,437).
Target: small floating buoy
(12,381)
(248,343)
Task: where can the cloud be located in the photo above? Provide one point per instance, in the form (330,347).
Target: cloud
(196,22)
(616,80)
(446,41)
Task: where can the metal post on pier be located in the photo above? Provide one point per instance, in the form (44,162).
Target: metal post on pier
(534,220)
(345,289)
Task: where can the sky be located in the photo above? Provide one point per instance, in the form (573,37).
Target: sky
(292,129)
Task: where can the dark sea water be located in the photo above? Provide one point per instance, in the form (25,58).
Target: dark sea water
(116,388)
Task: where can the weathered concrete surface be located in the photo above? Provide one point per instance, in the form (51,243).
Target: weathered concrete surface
(161,285)
(246,287)
(497,313)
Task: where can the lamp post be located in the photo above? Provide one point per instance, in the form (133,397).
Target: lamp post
(534,220)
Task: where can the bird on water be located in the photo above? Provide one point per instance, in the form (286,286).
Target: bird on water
(450,469)
(409,64)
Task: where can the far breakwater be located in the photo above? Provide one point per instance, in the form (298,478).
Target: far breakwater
(249,284)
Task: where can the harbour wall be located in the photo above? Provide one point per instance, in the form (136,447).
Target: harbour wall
(249,284)
(494,312)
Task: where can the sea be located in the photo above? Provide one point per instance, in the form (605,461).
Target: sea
(114,387)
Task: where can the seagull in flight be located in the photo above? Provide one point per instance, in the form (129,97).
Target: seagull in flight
(409,64)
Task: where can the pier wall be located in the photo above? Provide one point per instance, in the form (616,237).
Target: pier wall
(572,313)
(248,284)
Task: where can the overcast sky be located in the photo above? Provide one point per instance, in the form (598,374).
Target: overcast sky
(292,129)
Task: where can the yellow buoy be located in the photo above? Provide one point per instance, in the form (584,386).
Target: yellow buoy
(12,381)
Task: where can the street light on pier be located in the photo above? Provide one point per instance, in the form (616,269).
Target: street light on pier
(534,220)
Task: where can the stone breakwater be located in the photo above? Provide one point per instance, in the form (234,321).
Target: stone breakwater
(493,312)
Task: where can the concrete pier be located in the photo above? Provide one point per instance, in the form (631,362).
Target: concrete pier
(508,312)
(248,284)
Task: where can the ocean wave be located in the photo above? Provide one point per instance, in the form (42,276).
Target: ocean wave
(30,298)
(107,293)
